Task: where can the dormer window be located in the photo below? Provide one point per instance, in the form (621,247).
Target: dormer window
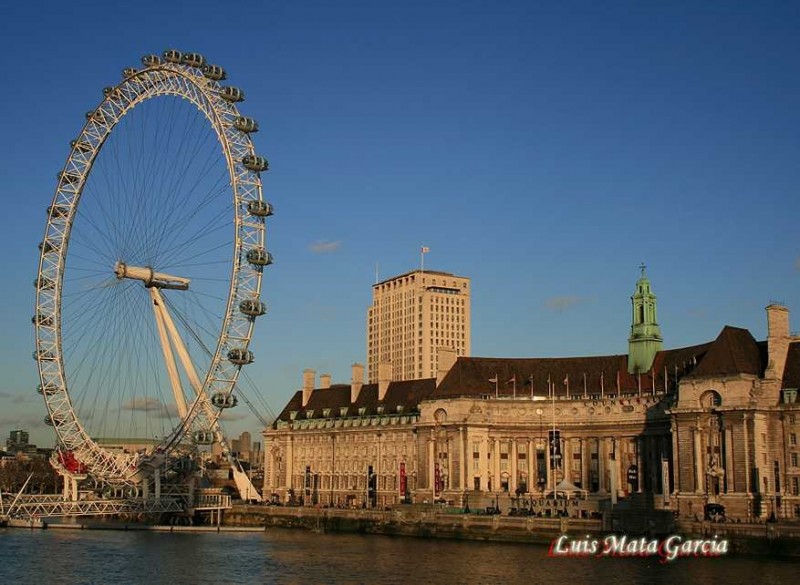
(399,408)
(380,409)
(343,411)
(326,413)
(309,414)
(362,411)
(292,415)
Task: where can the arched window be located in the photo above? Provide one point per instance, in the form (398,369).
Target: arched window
(710,399)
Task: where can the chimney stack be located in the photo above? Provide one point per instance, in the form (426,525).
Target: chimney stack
(324,381)
(308,385)
(445,360)
(384,379)
(777,341)
(356,382)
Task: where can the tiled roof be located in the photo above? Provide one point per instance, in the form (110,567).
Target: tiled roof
(581,375)
(407,394)
(734,351)
(791,374)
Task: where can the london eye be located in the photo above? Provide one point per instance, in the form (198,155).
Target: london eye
(150,276)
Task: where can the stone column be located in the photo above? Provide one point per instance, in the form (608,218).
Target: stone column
(464,442)
(641,443)
(531,466)
(698,462)
(512,483)
(727,446)
(289,463)
(601,466)
(496,458)
(584,465)
(548,467)
(432,467)
(484,464)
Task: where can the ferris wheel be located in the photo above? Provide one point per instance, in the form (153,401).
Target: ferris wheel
(150,273)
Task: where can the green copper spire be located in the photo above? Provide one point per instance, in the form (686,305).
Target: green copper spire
(645,340)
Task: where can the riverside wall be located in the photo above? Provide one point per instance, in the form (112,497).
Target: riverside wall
(430,522)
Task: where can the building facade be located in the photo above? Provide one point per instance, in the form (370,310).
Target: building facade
(711,423)
(411,316)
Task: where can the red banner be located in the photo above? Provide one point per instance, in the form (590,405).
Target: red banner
(403,480)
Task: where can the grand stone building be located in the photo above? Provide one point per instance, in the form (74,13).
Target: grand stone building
(670,429)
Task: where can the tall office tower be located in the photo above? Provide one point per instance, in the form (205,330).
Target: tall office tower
(411,317)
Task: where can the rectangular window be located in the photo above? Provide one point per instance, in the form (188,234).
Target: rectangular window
(793,458)
(793,439)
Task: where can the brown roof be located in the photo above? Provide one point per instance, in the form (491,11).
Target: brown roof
(734,351)
(589,375)
(407,394)
(791,374)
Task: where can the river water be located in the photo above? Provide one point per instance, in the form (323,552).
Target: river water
(296,556)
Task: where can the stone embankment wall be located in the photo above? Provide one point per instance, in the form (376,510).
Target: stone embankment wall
(413,522)
(431,522)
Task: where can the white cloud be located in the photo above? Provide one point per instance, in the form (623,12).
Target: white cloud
(325,246)
(562,303)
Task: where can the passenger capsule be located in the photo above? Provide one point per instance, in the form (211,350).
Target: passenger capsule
(53,421)
(245,124)
(58,210)
(232,94)
(46,247)
(44,283)
(96,116)
(214,72)
(151,60)
(43,320)
(259,208)
(193,59)
(172,56)
(259,257)
(47,389)
(107,91)
(223,400)
(129,72)
(43,354)
(255,163)
(203,437)
(240,357)
(252,307)
(81,146)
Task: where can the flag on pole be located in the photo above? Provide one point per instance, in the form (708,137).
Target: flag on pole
(496,391)
(425,249)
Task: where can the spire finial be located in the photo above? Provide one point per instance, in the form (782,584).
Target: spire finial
(642,266)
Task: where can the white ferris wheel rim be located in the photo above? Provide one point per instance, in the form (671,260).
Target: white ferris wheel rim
(159,78)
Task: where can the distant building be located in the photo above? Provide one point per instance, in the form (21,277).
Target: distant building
(673,429)
(411,317)
(18,441)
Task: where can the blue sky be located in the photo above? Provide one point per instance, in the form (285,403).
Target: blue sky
(543,149)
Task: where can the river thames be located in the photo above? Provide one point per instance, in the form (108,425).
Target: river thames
(293,556)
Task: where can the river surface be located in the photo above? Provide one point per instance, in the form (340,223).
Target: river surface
(295,556)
